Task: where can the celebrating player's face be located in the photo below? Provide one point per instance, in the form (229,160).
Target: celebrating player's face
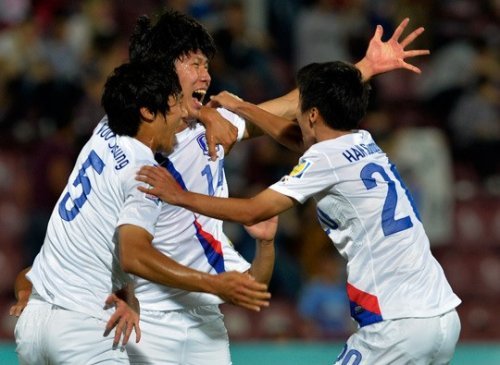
(194,79)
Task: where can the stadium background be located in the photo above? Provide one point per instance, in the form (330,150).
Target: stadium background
(442,128)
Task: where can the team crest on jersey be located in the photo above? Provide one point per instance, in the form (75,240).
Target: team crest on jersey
(202,142)
(299,170)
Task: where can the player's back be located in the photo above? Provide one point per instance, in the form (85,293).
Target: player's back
(78,266)
(366,210)
(370,216)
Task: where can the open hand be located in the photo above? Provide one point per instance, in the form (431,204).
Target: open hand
(124,319)
(387,56)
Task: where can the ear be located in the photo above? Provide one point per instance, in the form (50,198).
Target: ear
(313,115)
(146,114)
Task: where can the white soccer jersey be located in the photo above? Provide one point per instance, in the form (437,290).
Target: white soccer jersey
(191,239)
(367,212)
(78,265)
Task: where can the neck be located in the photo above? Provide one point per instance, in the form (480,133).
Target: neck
(323,133)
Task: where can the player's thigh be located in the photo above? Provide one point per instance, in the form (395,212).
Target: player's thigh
(207,340)
(29,333)
(76,338)
(163,339)
(409,341)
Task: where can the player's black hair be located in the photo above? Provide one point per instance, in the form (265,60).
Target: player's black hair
(337,90)
(132,86)
(173,35)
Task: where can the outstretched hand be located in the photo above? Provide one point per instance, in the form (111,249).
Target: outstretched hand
(387,56)
(125,319)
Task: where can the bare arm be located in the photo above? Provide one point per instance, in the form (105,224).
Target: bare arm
(139,257)
(380,57)
(263,206)
(263,262)
(284,131)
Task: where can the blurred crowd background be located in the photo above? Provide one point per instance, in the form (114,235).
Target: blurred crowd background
(441,128)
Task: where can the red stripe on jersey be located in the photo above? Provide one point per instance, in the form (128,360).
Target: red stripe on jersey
(215,244)
(365,300)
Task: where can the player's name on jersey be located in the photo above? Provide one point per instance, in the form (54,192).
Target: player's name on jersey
(353,154)
(109,136)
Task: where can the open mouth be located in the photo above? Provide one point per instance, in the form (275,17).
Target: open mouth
(199,95)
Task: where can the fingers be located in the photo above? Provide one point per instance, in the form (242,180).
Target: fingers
(118,332)
(138,332)
(112,322)
(412,36)
(212,148)
(414,53)
(411,68)
(129,327)
(253,300)
(16,310)
(379,32)
(399,30)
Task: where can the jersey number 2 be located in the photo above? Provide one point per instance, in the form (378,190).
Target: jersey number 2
(97,164)
(389,224)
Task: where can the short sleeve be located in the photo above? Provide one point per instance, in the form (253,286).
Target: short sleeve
(312,175)
(234,119)
(140,209)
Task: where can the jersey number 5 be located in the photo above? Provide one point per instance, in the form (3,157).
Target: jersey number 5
(97,164)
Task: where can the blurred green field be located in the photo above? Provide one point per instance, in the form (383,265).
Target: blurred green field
(300,353)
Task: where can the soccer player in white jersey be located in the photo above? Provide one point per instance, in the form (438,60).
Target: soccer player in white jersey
(178,326)
(100,220)
(78,266)
(398,292)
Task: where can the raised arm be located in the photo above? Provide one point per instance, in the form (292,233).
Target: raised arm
(380,57)
(284,131)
